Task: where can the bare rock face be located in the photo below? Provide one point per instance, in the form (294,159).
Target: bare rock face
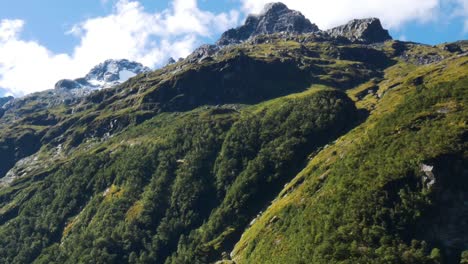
(67,84)
(275,18)
(202,52)
(4,100)
(366,31)
(170,61)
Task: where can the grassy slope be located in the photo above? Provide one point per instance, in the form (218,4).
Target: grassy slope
(361,199)
(132,197)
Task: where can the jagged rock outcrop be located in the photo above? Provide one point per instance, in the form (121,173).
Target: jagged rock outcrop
(275,18)
(170,61)
(203,52)
(368,30)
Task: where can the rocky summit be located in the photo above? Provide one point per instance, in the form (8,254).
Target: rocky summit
(367,30)
(275,17)
(288,147)
(278,18)
(105,75)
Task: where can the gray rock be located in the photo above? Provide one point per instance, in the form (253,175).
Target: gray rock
(4,100)
(21,169)
(423,59)
(170,61)
(429,178)
(67,84)
(366,31)
(202,52)
(452,47)
(275,18)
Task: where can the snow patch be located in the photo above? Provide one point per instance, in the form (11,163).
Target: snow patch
(124,75)
(95,82)
(112,67)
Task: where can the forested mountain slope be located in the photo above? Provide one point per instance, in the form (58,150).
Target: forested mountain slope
(283,148)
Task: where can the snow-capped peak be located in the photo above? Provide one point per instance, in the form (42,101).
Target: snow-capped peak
(113,72)
(105,75)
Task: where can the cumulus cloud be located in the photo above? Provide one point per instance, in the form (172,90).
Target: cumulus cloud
(25,65)
(128,32)
(393,13)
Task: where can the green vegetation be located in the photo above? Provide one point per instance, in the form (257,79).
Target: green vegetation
(139,194)
(364,199)
(286,151)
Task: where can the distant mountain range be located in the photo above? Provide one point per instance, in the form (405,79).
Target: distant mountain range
(105,75)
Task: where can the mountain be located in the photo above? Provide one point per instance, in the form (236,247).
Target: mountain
(275,17)
(105,75)
(288,147)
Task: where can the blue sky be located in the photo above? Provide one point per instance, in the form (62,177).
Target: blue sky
(47,41)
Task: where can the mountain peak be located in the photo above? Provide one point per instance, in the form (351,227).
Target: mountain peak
(106,74)
(114,71)
(275,18)
(367,30)
(274,7)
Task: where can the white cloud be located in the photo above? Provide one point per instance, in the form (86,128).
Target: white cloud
(129,32)
(330,13)
(9,29)
(461,10)
(24,65)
